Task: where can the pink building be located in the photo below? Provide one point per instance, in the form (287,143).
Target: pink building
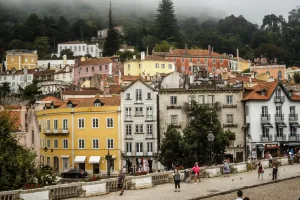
(90,69)
(275,71)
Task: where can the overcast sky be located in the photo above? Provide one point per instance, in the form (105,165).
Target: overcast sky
(252,10)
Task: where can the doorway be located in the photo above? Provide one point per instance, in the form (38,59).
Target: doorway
(65,164)
(239,156)
(56,163)
(96,168)
(82,166)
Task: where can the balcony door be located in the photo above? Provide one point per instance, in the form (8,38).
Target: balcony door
(278,111)
(265,132)
(278,92)
(139,149)
(292,111)
(264,111)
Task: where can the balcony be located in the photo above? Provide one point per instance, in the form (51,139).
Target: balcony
(173,107)
(230,125)
(229,105)
(128,137)
(279,99)
(128,118)
(149,118)
(279,117)
(265,117)
(59,131)
(149,136)
(295,137)
(144,153)
(266,139)
(280,138)
(293,117)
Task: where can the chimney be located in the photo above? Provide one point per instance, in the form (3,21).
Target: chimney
(209,50)
(134,57)
(186,49)
(212,49)
(110,66)
(67,68)
(147,53)
(148,77)
(106,90)
(64,59)
(143,75)
(143,55)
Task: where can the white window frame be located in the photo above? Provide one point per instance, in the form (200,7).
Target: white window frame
(229,99)
(65,144)
(173,100)
(128,96)
(149,96)
(173,121)
(139,111)
(48,143)
(163,66)
(170,66)
(48,124)
(65,125)
(108,123)
(212,99)
(81,143)
(96,119)
(149,147)
(138,95)
(201,99)
(55,125)
(149,129)
(81,123)
(55,141)
(139,147)
(129,147)
(156,65)
(110,143)
(128,129)
(95,143)
(228,120)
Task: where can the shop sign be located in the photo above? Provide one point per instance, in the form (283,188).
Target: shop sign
(271,146)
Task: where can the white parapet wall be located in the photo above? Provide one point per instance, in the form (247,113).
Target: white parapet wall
(41,194)
(94,188)
(239,167)
(213,171)
(142,181)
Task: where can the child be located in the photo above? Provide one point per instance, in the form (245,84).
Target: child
(196,172)
(260,171)
(177,180)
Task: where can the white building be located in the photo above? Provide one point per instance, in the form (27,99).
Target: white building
(139,125)
(271,119)
(80,49)
(65,74)
(176,92)
(290,72)
(101,34)
(17,78)
(55,63)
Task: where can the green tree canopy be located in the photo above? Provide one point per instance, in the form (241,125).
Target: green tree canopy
(67,52)
(164,46)
(16,44)
(297,77)
(41,44)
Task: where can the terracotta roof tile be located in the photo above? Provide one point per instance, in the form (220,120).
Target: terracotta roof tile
(296,97)
(192,52)
(159,58)
(89,102)
(115,89)
(255,92)
(130,78)
(84,92)
(97,61)
(50,98)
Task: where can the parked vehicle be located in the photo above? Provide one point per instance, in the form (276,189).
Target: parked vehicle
(74,173)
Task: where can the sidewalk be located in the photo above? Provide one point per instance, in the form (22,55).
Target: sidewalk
(208,186)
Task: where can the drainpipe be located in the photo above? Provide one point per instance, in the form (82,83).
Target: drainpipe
(73,139)
(245,133)
(119,139)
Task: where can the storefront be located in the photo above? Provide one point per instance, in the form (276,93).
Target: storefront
(95,162)
(273,149)
(80,161)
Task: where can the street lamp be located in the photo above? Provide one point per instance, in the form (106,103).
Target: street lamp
(210,138)
(108,158)
(45,160)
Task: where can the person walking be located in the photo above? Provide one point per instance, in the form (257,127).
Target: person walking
(270,158)
(176,176)
(275,170)
(260,171)
(121,179)
(239,195)
(226,167)
(196,172)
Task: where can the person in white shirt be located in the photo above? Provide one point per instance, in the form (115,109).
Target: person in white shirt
(240,195)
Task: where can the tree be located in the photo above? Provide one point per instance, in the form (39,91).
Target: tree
(41,44)
(126,55)
(17,164)
(4,90)
(111,45)
(149,41)
(297,77)
(171,148)
(16,44)
(67,52)
(166,22)
(164,46)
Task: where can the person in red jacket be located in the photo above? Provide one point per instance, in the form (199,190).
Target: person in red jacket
(196,172)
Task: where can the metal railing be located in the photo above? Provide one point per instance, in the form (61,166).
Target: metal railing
(55,131)
(280,138)
(294,137)
(265,117)
(149,117)
(266,139)
(279,99)
(128,117)
(293,117)
(279,117)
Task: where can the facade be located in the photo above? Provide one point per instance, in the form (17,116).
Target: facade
(125,47)
(80,133)
(230,110)
(271,119)
(17,78)
(139,126)
(238,64)
(148,66)
(80,49)
(275,71)
(290,72)
(102,34)
(55,63)
(20,59)
(198,62)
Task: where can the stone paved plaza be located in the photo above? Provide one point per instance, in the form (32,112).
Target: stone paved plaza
(208,186)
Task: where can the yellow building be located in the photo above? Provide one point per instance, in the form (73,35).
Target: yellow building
(148,66)
(239,64)
(79,134)
(20,59)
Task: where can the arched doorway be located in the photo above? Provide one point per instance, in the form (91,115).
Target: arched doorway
(56,163)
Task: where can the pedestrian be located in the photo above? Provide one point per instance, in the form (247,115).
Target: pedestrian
(246,198)
(226,167)
(239,195)
(121,178)
(260,171)
(275,170)
(176,176)
(249,163)
(196,172)
(270,158)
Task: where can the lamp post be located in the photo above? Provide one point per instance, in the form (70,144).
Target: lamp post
(108,158)
(210,138)
(45,160)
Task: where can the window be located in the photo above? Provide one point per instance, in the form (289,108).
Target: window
(87,69)
(21,78)
(149,95)
(48,161)
(95,122)
(229,99)
(32,136)
(65,124)
(100,68)
(214,61)
(29,78)
(79,48)
(221,61)
(139,128)
(247,110)
(149,129)
(264,111)
(127,96)
(55,124)
(109,122)
(210,99)
(4,78)
(70,105)
(149,111)
(170,66)
(80,143)
(80,123)
(139,111)
(106,67)
(97,104)
(48,143)
(198,60)
(278,93)
(173,100)
(162,65)
(127,113)
(128,129)
(182,60)
(13,84)
(26,59)
(138,95)
(42,142)
(191,60)
(71,48)
(75,48)
(48,125)
(278,110)
(110,143)
(174,119)
(149,146)
(65,143)
(128,66)
(93,69)
(191,98)
(95,143)
(128,147)
(157,65)
(201,99)
(292,111)
(55,143)
(293,131)
(229,118)
(279,131)
(205,60)
(92,49)
(83,48)
(13,78)
(139,147)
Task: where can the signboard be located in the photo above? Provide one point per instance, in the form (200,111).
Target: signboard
(271,146)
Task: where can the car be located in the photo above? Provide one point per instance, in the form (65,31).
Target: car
(74,173)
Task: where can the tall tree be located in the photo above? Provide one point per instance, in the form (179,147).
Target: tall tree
(166,22)
(41,44)
(111,44)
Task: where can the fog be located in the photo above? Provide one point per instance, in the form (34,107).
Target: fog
(252,10)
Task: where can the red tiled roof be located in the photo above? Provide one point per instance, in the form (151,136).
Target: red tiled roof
(115,89)
(159,58)
(296,97)
(14,112)
(255,92)
(130,78)
(98,61)
(44,72)
(84,92)
(50,98)
(192,52)
(89,102)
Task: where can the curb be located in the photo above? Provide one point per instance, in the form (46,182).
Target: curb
(243,188)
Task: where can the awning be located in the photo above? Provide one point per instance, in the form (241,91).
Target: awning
(94,159)
(295,125)
(113,157)
(79,159)
(267,125)
(281,124)
(294,144)
(245,126)
(64,156)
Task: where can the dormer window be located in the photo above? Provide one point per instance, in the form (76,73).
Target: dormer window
(70,105)
(263,93)
(97,104)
